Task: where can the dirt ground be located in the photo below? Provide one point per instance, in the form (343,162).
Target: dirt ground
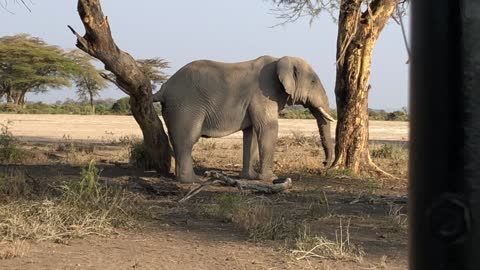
(365,213)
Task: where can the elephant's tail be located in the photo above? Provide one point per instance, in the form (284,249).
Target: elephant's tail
(158,97)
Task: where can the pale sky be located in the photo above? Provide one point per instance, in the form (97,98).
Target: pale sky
(221,30)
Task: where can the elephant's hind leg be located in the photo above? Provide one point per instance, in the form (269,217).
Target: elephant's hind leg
(183,140)
(250,154)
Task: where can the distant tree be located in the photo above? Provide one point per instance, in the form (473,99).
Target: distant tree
(88,81)
(122,106)
(154,69)
(28,64)
(360,23)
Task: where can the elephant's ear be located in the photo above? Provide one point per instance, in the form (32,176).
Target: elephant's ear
(289,75)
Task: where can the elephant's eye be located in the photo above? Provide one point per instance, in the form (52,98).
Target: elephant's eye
(313,81)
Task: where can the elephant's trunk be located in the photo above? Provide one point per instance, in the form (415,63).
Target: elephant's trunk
(323,123)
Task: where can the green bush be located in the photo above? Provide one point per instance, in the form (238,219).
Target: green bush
(122,106)
(388,116)
(296,113)
(139,156)
(10,152)
(102,107)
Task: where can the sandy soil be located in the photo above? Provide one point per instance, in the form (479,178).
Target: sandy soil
(106,127)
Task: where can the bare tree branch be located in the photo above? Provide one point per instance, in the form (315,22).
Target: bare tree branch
(4,5)
(106,77)
(400,12)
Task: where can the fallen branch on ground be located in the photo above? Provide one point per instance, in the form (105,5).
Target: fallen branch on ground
(218,178)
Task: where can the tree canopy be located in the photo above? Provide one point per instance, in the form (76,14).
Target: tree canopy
(154,68)
(28,64)
(88,81)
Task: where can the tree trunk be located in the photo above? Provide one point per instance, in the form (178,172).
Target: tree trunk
(91,102)
(16,97)
(357,34)
(98,42)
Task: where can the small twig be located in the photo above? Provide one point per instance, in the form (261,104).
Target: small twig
(197,189)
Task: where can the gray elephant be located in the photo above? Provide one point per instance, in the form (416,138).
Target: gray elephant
(213,99)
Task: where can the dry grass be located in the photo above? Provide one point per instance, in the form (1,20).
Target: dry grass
(308,246)
(253,215)
(76,208)
(15,249)
(320,208)
(397,219)
(10,150)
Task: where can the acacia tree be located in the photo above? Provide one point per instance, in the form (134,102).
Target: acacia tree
(360,23)
(154,68)
(89,81)
(28,64)
(98,42)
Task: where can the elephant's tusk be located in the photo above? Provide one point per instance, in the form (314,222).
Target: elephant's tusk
(326,115)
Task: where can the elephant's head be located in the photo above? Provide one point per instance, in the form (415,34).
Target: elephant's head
(304,87)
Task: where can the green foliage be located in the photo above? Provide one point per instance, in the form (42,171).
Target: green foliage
(67,107)
(89,180)
(139,156)
(122,106)
(296,113)
(29,64)
(154,68)
(397,116)
(388,116)
(88,81)
(10,152)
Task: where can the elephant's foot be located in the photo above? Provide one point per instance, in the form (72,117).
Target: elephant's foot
(251,175)
(327,163)
(190,178)
(268,176)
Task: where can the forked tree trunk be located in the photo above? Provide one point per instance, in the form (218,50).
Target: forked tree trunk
(98,42)
(357,34)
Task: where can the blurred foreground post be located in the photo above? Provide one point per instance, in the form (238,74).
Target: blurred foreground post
(444,190)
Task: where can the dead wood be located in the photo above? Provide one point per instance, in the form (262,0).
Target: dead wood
(98,42)
(218,178)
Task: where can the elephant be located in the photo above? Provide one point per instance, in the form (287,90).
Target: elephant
(214,99)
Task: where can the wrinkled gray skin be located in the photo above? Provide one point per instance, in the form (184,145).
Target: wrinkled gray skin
(212,99)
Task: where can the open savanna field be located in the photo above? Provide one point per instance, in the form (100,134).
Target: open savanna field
(60,210)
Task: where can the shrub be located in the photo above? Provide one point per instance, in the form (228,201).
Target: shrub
(122,106)
(389,151)
(139,156)
(10,152)
(252,215)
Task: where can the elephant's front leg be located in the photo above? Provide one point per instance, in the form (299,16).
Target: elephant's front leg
(250,154)
(267,140)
